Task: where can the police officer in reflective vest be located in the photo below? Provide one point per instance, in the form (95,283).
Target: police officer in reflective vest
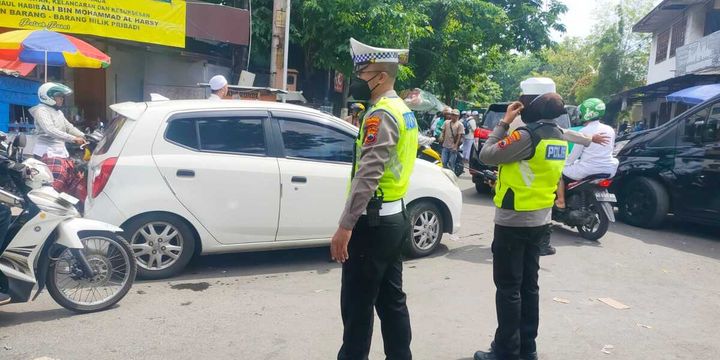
(531,160)
(374,225)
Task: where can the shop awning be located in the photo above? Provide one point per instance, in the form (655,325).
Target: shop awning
(18,91)
(15,68)
(695,95)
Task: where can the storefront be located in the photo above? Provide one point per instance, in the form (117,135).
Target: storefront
(164,47)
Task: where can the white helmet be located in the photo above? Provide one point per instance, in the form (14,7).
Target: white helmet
(39,174)
(48,91)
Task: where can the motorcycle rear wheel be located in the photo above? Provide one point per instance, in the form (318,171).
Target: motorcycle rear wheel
(110,257)
(600,226)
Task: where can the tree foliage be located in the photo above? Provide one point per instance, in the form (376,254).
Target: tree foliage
(611,60)
(453,43)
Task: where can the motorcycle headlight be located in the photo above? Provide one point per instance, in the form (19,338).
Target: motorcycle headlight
(619,146)
(450,175)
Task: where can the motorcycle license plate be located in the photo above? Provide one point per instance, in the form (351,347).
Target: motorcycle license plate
(605,196)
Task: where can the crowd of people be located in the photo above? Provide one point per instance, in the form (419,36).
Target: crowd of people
(455,131)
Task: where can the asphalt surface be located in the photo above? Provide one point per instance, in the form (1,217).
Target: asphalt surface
(285,304)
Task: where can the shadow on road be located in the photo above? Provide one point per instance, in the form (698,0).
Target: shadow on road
(257,263)
(696,239)
(25,317)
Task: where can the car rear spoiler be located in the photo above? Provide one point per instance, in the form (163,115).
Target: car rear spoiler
(130,110)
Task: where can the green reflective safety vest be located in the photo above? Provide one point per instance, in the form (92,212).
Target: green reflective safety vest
(394,182)
(530,184)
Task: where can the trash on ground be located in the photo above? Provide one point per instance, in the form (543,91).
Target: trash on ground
(606,349)
(614,303)
(561,300)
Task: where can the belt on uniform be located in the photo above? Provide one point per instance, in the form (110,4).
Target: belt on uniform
(390,208)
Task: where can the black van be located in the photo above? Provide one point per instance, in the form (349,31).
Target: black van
(674,168)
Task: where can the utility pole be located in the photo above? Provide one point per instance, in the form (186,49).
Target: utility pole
(280,44)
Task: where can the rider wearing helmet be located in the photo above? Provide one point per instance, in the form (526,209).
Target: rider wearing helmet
(356,111)
(584,161)
(54,130)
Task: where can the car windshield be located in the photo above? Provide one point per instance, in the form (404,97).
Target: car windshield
(492,118)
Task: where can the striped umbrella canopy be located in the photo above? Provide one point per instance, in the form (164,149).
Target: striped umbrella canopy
(51,49)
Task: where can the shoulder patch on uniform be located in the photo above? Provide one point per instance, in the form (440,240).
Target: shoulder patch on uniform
(410,120)
(371,126)
(556,152)
(513,137)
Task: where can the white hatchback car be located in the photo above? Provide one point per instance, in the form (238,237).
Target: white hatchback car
(205,177)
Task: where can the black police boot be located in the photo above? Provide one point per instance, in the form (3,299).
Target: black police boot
(545,247)
(484,355)
(4,298)
(529,356)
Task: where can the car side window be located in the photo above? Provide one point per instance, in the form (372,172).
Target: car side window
(182,132)
(711,133)
(692,128)
(311,141)
(232,135)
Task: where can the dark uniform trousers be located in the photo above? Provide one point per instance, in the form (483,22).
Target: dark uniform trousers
(516,263)
(372,280)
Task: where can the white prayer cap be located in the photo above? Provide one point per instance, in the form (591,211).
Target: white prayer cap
(475,113)
(218,82)
(537,86)
(363,54)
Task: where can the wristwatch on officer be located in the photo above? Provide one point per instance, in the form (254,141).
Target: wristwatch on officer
(503,124)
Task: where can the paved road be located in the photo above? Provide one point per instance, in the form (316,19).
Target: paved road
(285,304)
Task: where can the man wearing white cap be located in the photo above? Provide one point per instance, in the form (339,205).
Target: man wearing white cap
(374,225)
(218,87)
(470,124)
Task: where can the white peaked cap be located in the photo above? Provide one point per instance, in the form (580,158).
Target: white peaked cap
(218,82)
(363,54)
(537,86)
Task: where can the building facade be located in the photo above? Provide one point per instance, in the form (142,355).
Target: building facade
(685,52)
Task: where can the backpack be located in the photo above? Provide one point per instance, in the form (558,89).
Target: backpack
(466,125)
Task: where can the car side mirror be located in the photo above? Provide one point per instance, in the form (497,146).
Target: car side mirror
(19,141)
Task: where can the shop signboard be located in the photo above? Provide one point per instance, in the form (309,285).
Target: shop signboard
(149,21)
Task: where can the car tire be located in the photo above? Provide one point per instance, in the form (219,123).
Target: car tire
(146,237)
(644,202)
(426,229)
(482,188)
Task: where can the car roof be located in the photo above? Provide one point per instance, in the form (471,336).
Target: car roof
(499,107)
(134,110)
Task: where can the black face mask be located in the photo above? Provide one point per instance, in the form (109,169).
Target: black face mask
(360,89)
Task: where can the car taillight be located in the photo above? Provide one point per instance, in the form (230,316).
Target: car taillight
(483,134)
(605,183)
(102,177)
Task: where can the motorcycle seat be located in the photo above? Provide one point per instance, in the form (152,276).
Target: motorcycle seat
(597,176)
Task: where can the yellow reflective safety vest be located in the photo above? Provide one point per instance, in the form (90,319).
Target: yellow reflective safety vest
(530,184)
(396,179)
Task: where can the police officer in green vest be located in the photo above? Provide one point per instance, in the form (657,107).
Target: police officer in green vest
(374,225)
(531,160)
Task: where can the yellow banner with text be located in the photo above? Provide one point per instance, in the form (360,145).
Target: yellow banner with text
(149,21)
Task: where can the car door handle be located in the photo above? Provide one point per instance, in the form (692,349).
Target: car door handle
(299,180)
(185,173)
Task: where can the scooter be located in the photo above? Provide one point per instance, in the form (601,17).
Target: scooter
(588,206)
(85,264)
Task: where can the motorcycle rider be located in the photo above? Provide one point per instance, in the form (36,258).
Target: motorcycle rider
(584,161)
(54,130)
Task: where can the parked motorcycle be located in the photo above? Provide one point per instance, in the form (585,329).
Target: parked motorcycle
(85,264)
(426,152)
(588,206)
